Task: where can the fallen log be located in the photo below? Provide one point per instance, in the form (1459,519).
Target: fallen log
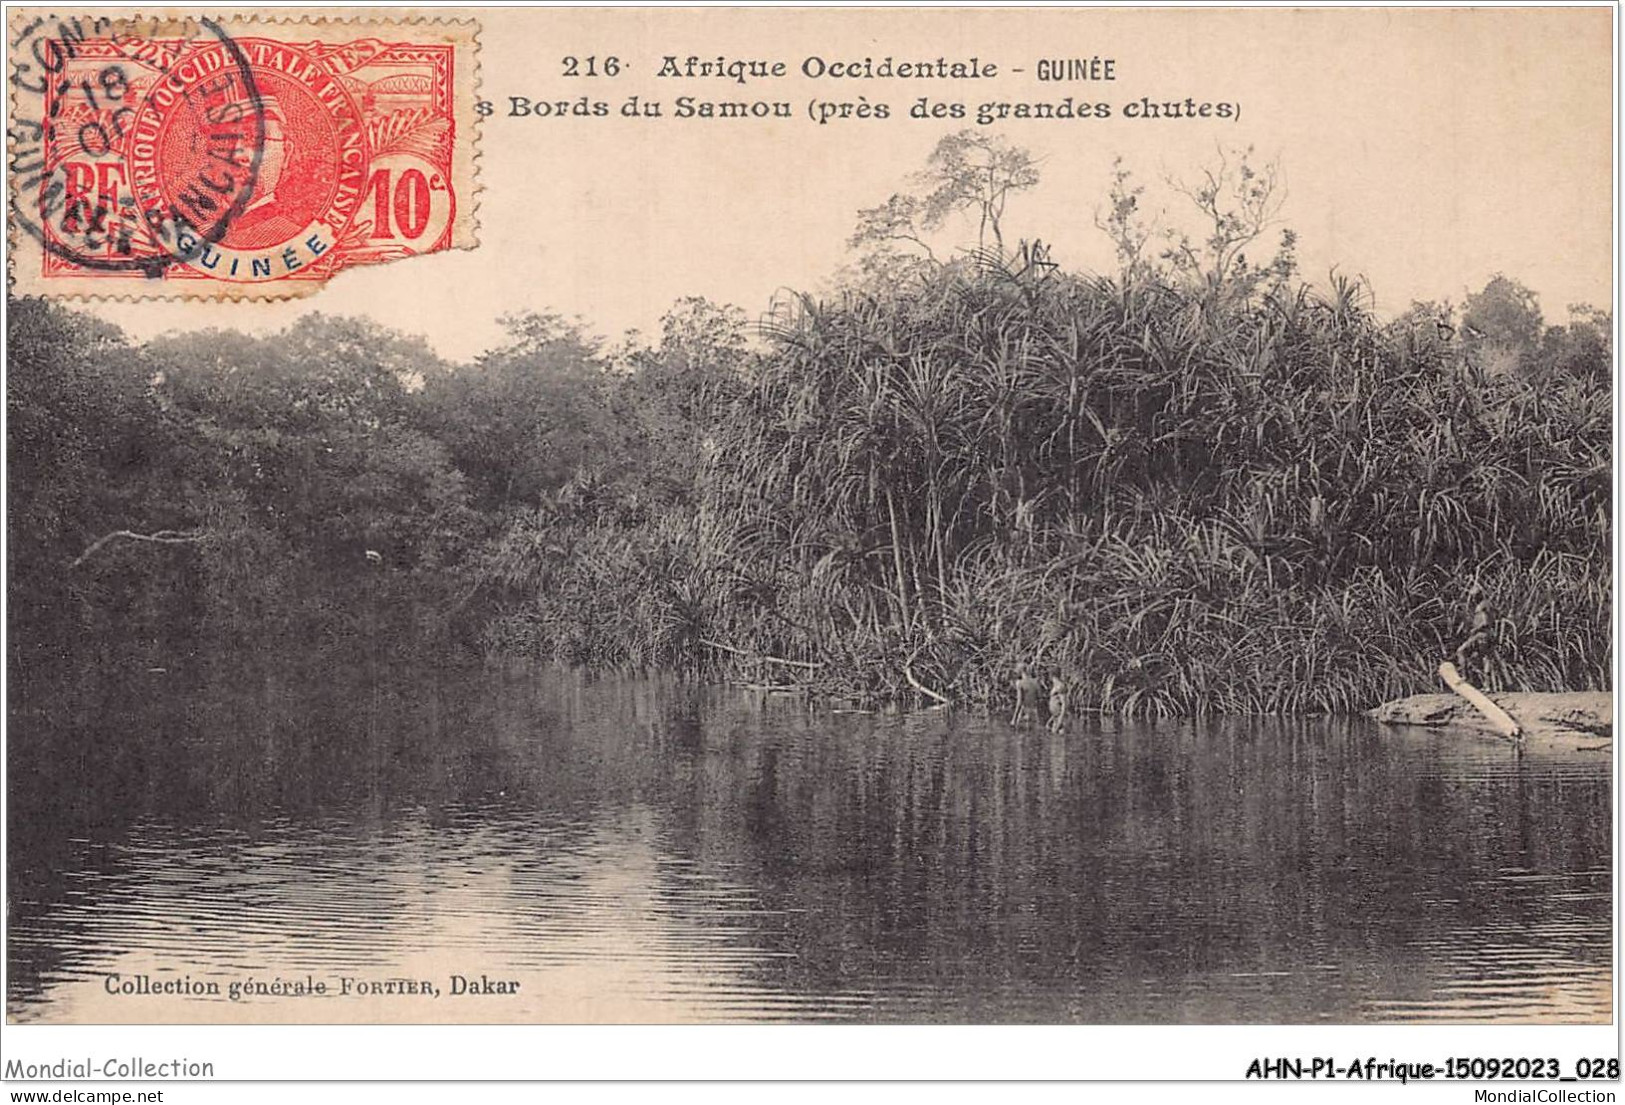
(809,665)
(1498,718)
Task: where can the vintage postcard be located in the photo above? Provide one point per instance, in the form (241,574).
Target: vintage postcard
(945,516)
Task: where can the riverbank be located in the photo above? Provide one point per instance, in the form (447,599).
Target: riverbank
(1159,497)
(1570,721)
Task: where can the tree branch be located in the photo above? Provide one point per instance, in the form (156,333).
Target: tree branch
(760,655)
(161,537)
(942,699)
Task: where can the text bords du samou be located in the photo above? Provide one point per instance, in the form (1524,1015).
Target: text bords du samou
(890,70)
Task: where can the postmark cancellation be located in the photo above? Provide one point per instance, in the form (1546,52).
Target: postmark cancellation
(195,156)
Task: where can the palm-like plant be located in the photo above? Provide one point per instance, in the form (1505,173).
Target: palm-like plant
(1180,501)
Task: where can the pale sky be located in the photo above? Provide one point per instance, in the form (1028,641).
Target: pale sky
(1426,150)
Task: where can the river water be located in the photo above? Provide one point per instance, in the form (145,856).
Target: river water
(644,850)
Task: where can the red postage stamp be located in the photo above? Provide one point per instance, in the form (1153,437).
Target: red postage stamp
(234,157)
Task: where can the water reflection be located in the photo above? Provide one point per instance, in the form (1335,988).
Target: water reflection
(645,850)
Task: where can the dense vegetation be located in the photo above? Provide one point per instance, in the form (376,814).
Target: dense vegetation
(1195,485)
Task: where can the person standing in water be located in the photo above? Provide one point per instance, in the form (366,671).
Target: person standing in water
(1028,694)
(1479,645)
(1057,703)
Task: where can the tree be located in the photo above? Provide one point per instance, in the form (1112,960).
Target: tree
(294,421)
(968,172)
(1236,202)
(1581,350)
(304,461)
(1502,325)
(523,418)
(86,456)
(678,393)
(75,398)
(1124,222)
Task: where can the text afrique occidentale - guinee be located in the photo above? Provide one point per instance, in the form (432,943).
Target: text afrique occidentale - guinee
(951,72)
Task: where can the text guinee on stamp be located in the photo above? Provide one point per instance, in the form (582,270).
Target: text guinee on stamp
(231,157)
